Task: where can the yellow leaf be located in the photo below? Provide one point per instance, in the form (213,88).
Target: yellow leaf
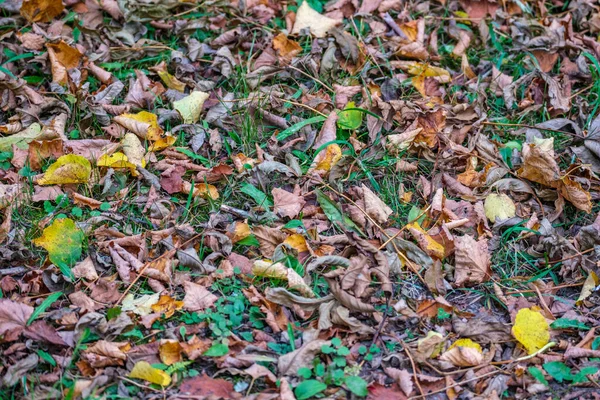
(133,149)
(171,81)
(162,143)
(531,330)
(297,241)
(426,242)
(190,106)
(143,370)
(325,160)
(241,230)
(170,352)
(466,343)
(167,305)
(140,306)
(144,124)
(499,206)
(69,168)
(426,70)
(116,160)
(62,240)
(317,24)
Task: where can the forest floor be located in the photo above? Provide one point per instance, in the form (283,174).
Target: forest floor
(382,199)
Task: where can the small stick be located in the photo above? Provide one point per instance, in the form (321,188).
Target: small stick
(392,24)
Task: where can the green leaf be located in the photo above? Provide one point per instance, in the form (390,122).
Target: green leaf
(258,195)
(113,313)
(308,389)
(558,370)
(564,323)
(249,240)
(334,214)
(296,127)
(356,385)
(217,350)
(351,118)
(336,341)
(581,376)
(537,374)
(304,372)
(42,307)
(327,349)
(362,350)
(46,357)
(295,223)
(63,241)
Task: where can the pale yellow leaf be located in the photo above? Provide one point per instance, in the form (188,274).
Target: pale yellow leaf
(190,106)
(133,149)
(266,269)
(317,24)
(499,206)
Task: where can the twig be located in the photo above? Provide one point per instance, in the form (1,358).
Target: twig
(414,368)
(392,24)
(13,271)
(529,126)
(456,384)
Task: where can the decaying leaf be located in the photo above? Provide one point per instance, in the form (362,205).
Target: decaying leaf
(69,168)
(472,261)
(267,269)
(41,10)
(63,240)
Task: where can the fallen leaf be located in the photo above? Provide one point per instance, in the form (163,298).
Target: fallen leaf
(41,10)
(204,386)
(266,269)
(170,352)
(190,106)
(67,169)
(472,261)
(143,124)
(143,370)
(133,149)
(588,287)
(62,58)
(531,329)
(197,297)
(62,240)
(167,305)
(286,47)
(499,206)
(141,305)
(290,363)
(308,18)
(287,204)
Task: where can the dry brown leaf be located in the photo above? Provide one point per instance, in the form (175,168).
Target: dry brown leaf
(287,204)
(41,10)
(290,363)
(472,261)
(286,47)
(197,297)
(269,238)
(62,58)
(403,377)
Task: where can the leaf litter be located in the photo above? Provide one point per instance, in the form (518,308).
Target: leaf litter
(305,199)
